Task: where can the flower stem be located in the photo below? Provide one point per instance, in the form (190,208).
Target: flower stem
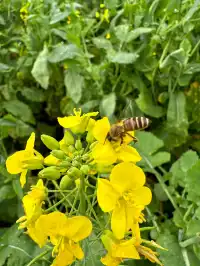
(38,257)
(190,241)
(82,206)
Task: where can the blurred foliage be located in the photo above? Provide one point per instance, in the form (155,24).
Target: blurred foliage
(124,58)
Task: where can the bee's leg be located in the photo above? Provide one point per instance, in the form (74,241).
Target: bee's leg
(121,142)
(134,138)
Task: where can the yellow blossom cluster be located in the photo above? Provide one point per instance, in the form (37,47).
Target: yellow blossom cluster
(85,166)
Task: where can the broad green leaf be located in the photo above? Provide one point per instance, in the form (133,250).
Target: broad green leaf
(181,166)
(193,227)
(178,219)
(121,32)
(74,83)
(33,94)
(186,46)
(17,188)
(194,8)
(40,69)
(160,193)
(6,192)
(4,67)
(123,58)
(134,34)
(62,34)
(175,57)
(102,43)
(108,103)
(63,52)
(58,16)
(147,106)
(2,21)
(176,112)
(160,158)
(173,256)
(19,109)
(192,181)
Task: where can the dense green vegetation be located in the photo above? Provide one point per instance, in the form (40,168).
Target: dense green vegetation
(124,59)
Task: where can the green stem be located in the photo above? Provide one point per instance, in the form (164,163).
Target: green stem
(153,220)
(185,256)
(82,206)
(38,257)
(195,48)
(188,212)
(147,228)
(163,185)
(190,241)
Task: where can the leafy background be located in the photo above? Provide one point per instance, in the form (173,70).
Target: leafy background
(132,58)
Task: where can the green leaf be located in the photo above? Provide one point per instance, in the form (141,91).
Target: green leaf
(194,8)
(63,52)
(174,57)
(19,109)
(33,94)
(174,255)
(58,16)
(17,188)
(74,83)
(123,58)
(6,192)
(160,158)
(4,68)
(121,32)
(102,43)
(160,193)
(107,106)
(40,69)
(134,34)
(193,227)
(192,181)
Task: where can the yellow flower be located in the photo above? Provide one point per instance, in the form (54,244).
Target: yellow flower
(118,249)
(106,152)
(32,204)
(124,195)
(18,162)
(105,16)
(77,123)
(65,233)
(108,36)
(24,12)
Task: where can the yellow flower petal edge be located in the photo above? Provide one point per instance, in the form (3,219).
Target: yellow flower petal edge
(101,129)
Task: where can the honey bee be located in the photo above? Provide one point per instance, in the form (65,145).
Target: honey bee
(119,131)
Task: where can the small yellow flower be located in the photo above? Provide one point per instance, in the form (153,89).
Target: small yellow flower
(68,21)
(118,250)
(106,152)
(32,204)
(17,163)
(65,233)
(108,36)
(77,123)
(125,196)
(105,16)
(24,12)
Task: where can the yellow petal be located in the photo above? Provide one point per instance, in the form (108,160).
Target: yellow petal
(142,196)
(128,154)
(51,160)
(77,251)
(69,121)
(128,137)
(77,228)
(91,124)
(64,257)
(110,261)
(23,178)
(30,142)
(101,129)
(104,153)
(118,220)
(125,251)
(14,162)
(107,196)
(91,114)
(37,235)
(52,223)
(127,176)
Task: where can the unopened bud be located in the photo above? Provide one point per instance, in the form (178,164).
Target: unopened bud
(89,137)
(50,172)
(74,173)
(65,182)
(51,160)
(32,164)
(65,164)
(85,157)
(71,149)
(85,169)
(93,145)
(78,144)
(50,142)
(58,154)
(68,138)
(76,163)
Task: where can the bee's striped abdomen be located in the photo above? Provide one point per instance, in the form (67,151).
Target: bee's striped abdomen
(135,123)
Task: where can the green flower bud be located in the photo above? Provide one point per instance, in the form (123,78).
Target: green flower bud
(78,144)
(32,164)
(50,142)
(93,145)
(89,137)
(65,164)
(71,149)
(65,182)
(68,138)
(163,97)
(50,172)
(76,163)
(86,157)
(58,154)
(85,169)
(74,173)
